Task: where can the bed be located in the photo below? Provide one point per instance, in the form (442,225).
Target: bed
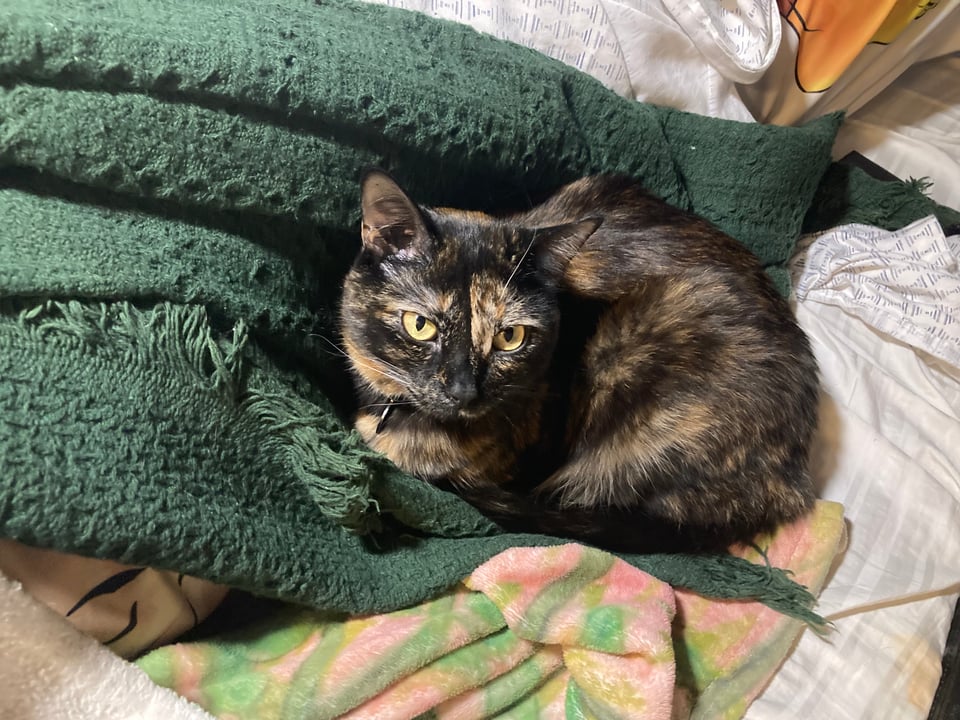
(874,279)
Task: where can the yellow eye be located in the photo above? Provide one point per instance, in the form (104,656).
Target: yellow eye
(418,327)
(510,338)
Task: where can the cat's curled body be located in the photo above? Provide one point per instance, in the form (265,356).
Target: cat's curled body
(604,366)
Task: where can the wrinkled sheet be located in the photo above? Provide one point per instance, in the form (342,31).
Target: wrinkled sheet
(882,311)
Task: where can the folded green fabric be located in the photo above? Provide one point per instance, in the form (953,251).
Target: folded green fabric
(272,109)
(178,201)
(849,195)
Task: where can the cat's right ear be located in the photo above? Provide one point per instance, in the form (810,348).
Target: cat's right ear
(392,224)
(556,246)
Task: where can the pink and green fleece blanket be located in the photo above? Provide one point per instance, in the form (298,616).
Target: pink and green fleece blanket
(548,632)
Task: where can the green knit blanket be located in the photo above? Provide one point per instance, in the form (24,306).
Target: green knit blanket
(178,205)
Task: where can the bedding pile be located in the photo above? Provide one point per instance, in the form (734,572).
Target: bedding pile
(179,207)
(178,217)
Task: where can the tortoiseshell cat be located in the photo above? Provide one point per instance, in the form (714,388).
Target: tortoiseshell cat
(603,367)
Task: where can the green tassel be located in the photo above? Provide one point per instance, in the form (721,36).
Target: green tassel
(728,577)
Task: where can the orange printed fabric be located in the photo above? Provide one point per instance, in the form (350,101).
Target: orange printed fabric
(832,34)
(557,632)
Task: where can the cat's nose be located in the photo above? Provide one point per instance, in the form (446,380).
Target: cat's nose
(463,390)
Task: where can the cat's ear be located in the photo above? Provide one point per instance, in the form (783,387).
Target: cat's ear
(556,246)
(391,222)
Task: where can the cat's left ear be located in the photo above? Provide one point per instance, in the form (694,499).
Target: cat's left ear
(556,246)
(391,220)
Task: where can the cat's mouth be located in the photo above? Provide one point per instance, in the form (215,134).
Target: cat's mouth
(448,412)
(455,413)
(471,413)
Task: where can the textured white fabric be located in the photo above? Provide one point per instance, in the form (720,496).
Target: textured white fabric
(904,283)
(877,665)
(883,314)
(679,53)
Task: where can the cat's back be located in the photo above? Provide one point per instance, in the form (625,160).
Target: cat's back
(641,236)
(697,392)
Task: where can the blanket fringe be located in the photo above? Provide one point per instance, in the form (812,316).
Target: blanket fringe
(333,463)
(734,578)
(167,331)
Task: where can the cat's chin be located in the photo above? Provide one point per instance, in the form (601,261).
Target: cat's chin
(471,414)
(460,415)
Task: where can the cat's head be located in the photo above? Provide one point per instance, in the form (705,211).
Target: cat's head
(454,313)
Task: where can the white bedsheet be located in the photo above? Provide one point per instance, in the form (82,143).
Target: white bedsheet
(913,127)
(883,312)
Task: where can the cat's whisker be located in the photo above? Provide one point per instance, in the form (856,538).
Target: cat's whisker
(506,416)
(522,258)
(390,365)
(374,367)
(387,404)
(339,350)
(521,391)
(375,364)
(383,373)
(392,371)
